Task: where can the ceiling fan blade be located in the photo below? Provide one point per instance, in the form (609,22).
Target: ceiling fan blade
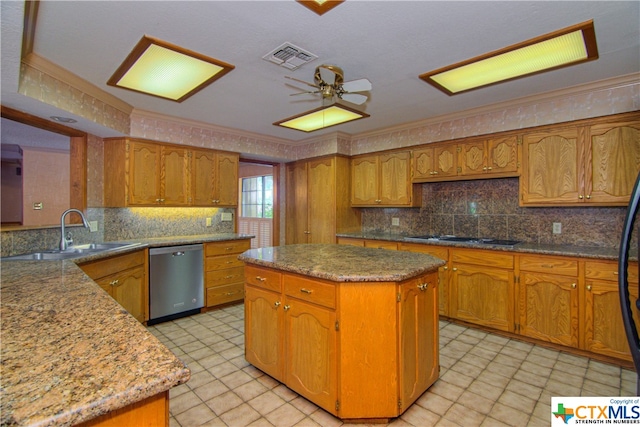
(360,85)
(354,98)
(327,75)
(301,81)
(313,92)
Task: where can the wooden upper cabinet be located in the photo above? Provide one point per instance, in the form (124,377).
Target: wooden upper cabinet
(174,176)
(382,180)
(145,169)
(434,163)
(148,173)
(553,167)
(489,156)
(615,162)
(591,164)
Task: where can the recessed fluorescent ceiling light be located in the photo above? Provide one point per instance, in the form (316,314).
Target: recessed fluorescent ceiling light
(320,6)
(321,118)
(570,46)
(162,69)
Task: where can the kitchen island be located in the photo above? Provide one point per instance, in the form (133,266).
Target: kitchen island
(354,330)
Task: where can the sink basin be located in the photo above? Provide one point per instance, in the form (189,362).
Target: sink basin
(72,252)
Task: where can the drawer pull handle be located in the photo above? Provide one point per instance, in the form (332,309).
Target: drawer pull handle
(114,282)
(228,249)
(547,265)
(573,286)
(231,293)
(277,304)
(455,269)
(261,279)
(615,273)
(286,307)
(228,277)
(306,291)
(423,286)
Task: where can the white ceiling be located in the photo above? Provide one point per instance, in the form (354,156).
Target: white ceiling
(388,42)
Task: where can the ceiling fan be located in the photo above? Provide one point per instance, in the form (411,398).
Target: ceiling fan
(329,82)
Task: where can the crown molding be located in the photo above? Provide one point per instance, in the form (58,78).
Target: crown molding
(618,82)
(47,67)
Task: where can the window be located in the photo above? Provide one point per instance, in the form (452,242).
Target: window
(257,197)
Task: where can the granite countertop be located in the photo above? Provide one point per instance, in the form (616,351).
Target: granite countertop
(534,248)
(69,351)
(343,263)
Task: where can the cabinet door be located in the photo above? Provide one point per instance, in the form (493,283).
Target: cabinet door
(445,161)
(423,164)
(482,295)
(472,159)
(311,352)
(226,184)
(296,204)
(127,288)
(263,325)
(553,168)
(144,173)
(502,155)
(395,179)
(419,350)
(443,272)
(615,162)
(364,181)
(321,185)
(548,308)
(174,176)
(203,172)
(603,328)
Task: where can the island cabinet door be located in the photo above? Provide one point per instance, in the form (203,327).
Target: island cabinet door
(418,320)
(311,352)
(264,317)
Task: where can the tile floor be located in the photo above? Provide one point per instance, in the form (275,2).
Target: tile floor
(485,380)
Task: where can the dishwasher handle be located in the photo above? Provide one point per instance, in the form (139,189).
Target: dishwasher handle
(175,250)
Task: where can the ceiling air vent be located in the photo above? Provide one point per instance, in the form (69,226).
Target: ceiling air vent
(289,56)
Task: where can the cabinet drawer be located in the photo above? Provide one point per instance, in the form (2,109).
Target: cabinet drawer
(115,264)
(568,267)
(436,251)
(264,278)
(223,294)
(310,290)
(603,270)
(483,257)
(224,277)
(222,262)
(380,244)
(349,241)
(226,247)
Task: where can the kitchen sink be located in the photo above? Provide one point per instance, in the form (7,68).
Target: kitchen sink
(71,252)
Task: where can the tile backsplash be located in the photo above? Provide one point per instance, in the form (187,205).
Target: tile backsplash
(489,208)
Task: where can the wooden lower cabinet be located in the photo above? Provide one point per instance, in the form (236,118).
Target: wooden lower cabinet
(152,411)
(311,335)
(603,329)
(482,288)
(224,272)
(548,303)
(124,278)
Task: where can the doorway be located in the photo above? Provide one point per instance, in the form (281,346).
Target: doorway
(258,207)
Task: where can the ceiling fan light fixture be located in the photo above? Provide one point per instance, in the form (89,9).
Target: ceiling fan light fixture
(161,69)
(569,46)
(320,118)
(320,6)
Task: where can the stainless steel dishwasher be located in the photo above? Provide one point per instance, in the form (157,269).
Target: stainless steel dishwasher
(176,282)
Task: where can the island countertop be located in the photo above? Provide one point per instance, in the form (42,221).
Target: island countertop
(343,263)
(70,352)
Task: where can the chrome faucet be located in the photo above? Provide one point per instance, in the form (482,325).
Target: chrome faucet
(64,240)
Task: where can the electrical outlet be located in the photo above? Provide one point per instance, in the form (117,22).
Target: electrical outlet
(226,216)
(395,221)
(557,228)
(208,221)
(93,226)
